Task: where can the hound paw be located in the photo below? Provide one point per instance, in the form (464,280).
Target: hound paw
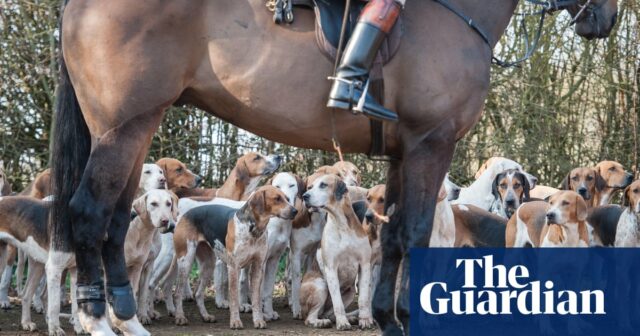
(29,326)
(181,320)
(343,324)
(245,308)
(297,315)
(154,315)
(366,323)
(235,324)
(260,324)
(171,312)
(144,319)
(209,319)
(38,307)
(224,304)
(5,305)
(56,331)
(271,316)
(324,323)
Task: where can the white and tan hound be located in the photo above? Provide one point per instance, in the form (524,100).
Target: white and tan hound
(344,256)
(278,237)
(628,230)
(566,221)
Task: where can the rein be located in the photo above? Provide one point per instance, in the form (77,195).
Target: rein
(547,7)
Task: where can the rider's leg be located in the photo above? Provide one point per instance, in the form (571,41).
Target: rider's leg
(376,20)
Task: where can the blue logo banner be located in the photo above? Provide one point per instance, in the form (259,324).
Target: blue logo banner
(545,291)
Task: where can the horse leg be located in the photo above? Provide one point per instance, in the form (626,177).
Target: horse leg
(104,196)
(384,295)
(419,197)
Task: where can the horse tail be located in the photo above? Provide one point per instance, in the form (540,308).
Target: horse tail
(70,149)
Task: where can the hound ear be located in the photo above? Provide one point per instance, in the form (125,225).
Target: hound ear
(581,209)
(442,194)
(6,186)
(566,185)
(600,182)
(174,204)
(494,187)
(301,186)
(626,200)
(242,171)
(481,170)
(140,205)
(259,202)
(526,187)
(341,189)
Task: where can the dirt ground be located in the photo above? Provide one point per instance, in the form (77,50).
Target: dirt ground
(10,323)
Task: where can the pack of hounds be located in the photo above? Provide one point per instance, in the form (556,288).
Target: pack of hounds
(326,224)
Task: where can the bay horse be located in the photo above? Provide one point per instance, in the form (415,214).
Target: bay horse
(124,62)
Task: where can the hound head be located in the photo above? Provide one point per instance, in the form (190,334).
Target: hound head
(585,181)
(349,172)
(290,184)
(253,165)
(596,20)
(327,192)
(613,174)
(268,201)
(566,207)
(177,174)
(632,197)
(452,189)
(511,187)
(159,207)
(152,177)
(496,165)
(375,209)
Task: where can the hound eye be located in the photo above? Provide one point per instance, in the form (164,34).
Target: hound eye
(381,200)
(354,171)
(565,203)
(169,204)
(323,185)
(179,170)
(369,199)
(257,158)
(154,204)
(612,169)
(589,178)
(503,186)
(147,172)
(292,185)
(635,191)
(278,199)
(575,178)
(516,186)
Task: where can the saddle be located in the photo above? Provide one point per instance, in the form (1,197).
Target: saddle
(329,16)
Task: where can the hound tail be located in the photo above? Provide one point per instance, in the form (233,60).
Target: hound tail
(70,149)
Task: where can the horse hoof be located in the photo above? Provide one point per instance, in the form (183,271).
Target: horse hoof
(122,301)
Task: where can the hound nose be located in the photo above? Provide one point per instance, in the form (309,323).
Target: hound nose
(551,216)
(198,180)
(294,211)
(306,197)
(511,202)
(369,216)
(534,180)
(164,222)
(629,178)
(162,180)
(582,191)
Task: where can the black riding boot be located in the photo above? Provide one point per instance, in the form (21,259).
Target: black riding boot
(352,75)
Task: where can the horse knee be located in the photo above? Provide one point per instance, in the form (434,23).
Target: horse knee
(89,224)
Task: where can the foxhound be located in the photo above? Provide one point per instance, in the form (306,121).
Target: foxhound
(510,189)
(344,255)
(202,231)
(475,227)
(524,229)
(628,229)
(152,177)
(566,221)
(278,236)
(615,178)
(479,193)
(597,185)
(180,179)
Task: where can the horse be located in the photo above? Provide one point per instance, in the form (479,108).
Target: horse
(124,62)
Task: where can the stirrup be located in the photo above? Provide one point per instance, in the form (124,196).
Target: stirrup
(359,108)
